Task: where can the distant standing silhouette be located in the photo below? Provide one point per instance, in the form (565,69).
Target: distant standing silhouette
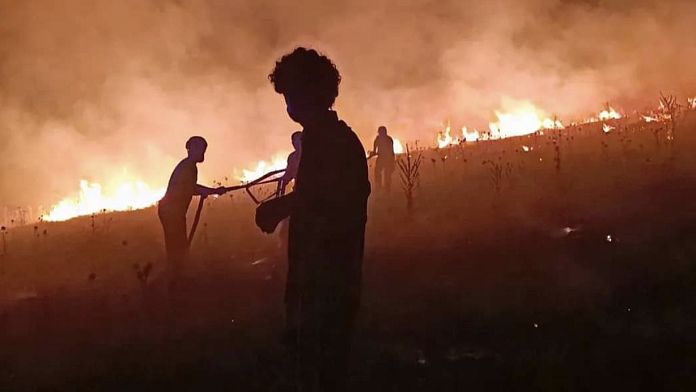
(328,212)
(384,167)
(173,206)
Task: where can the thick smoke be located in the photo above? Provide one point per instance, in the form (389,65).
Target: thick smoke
(102,90)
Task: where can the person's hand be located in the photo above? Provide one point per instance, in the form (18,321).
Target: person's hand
(204,192)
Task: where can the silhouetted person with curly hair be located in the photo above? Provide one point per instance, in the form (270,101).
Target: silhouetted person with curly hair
(328,212)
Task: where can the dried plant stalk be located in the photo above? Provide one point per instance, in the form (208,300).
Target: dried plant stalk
(409,172)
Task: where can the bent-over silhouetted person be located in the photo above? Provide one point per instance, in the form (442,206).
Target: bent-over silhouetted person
(173,206)
(383,147)
(328,212)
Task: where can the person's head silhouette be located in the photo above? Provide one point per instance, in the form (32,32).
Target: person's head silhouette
(308,81)
(296,140)
(196,147)
(382,131)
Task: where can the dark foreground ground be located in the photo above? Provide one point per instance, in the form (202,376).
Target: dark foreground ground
(575,278)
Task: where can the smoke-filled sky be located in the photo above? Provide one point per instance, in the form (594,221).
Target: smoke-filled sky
(104,90)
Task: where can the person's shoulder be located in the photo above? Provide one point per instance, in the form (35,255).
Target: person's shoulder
(180,166)
(348,131)
(187,165)
(355,143)
(347,137)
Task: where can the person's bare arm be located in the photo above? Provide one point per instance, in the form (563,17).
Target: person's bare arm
(202,190)
(286,178)
(374,150)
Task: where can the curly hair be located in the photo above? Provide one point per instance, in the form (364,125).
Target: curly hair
(305,72)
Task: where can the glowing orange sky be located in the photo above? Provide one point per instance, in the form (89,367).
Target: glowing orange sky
(101,89)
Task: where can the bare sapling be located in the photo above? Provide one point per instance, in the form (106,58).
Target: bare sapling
(409,172)
(670,109)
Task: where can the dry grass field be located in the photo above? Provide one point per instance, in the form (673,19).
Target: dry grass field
(556,262)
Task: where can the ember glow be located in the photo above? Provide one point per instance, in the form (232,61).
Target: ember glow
(607,128)
(93,198)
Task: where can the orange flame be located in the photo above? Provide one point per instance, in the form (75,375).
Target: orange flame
(609,114)
(262,167)
(522,118)
(398,147)
(472,136)
(131,194)
(128,195)
(445,139)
